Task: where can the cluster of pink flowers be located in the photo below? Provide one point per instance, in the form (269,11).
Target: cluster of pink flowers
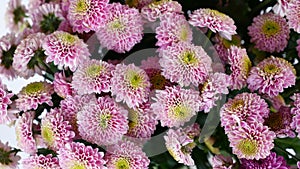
(98,110)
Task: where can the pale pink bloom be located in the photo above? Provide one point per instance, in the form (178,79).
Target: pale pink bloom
(87,15)
(222,162)
(5,115)
(296,113)
(29,55)
(24,133)
(92,76)
(271,76)
(15,16)
(47,17)
(9,160)
(293,15)
(102,122)
(251,141)
(130,84)
(34,94)
(298,47)
(174,106)
(126,154)
(269,32)
(185,63)
(41,162)
(173,28)
(62,85)
(281,7)
(65,50)
(214,20)
(156,9)
(240,66)
(122,29)
(56,131)
(151,63)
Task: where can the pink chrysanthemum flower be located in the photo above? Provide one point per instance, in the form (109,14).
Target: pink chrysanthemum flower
(280,122)
(126,154)
(247,107)
(298,164)
(139,4)
(180,146)
(55,131)
(29,55)
(150,63)
(92,76)
(130,84)
(156,9)
(9,159)
(281,7)
(212,90)
(122,29)
(214,20)
(34,94)
(298,47)
(15,16)
(272,161)
(47,17)
(5,115)
(62,85)
(251,141)
(87,15)
(296,112)
(102,122)
(41,162)
(269,32)
(185,63)
(173,28)
(240,66)
(8,46)
(71,105)
(222,162)
(65,49)
(142,122)
(157,80)
(174,106)
(293,15)
(271,76)
(79,156)
(24,133)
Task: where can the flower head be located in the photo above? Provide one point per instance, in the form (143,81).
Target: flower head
(222,162)
(173,28)
(271,76)
(34,94)
(248,107)
(158,8)
(269,32)
(102,122)
(87,15)
(47,17)
(126,154)
(28,55)
(41,162)
(24,133)
(214,20)
(8,160)
(130,84)
(298,47)
(15,16)
(251,141)
(65,49)
(272,161)
(293,15)
(175,106)
(92,76)
(296,113)
(240,66)
(55,131)
(281,7)
(62,85)
(185,63)
(5,115)
(122,29)
(150,63)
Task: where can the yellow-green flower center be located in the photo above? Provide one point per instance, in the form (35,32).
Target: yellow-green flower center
(189,58)
(122,163)
(133,118)
(134,79)
(4,157)
(184,34)
(248,147)
(116,25)
(180,112)
(237,104)
(48,135)
(270,28)
(78,165)
(187,149)
(94,70)
(271,69)
(246,65)
(104,120)
(158,81)
(81,6)
(68,38)
(33,89)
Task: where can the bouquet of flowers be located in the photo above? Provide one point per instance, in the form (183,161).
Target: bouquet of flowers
(159,84)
